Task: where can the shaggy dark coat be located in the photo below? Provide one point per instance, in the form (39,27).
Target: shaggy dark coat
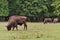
(16,20)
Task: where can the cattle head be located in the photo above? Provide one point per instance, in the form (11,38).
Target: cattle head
(9,27)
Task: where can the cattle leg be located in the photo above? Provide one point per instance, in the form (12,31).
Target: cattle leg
(45,22)
(13,28)
(16,28)
(25,26)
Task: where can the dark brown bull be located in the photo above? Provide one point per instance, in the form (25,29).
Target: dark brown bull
(47,20)
(55,20)
(16,20)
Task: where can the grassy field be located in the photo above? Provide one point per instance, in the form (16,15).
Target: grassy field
(36,31)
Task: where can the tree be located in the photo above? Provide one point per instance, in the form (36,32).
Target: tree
(4,8)
(56,5)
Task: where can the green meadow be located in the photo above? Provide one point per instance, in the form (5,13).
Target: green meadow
(35,31)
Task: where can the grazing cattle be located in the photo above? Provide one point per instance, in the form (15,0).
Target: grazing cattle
(55,20)
(47,20)
(16,20)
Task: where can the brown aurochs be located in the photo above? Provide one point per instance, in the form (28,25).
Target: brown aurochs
(47,20)
(55,20)
(16,20)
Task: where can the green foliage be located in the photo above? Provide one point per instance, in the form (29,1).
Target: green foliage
(3,8)
(41,8)
(27,7)
(56,5)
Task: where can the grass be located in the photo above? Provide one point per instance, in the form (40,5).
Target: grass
(36,31)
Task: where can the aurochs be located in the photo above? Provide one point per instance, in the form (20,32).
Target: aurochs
(16,20)
(47,20)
